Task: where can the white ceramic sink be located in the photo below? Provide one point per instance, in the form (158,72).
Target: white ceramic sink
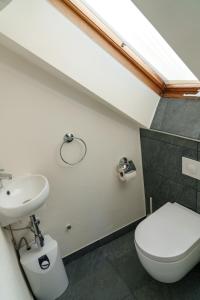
(21,196)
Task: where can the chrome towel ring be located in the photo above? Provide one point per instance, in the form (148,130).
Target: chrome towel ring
(68,138)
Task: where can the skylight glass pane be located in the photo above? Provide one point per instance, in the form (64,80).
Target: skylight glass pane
(126,20)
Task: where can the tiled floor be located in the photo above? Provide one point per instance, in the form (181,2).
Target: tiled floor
(113,272)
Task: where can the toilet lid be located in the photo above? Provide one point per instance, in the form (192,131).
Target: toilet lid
(169,233)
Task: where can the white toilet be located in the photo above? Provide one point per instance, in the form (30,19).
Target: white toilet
(168,242)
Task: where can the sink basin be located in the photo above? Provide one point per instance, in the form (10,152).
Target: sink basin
(21,196)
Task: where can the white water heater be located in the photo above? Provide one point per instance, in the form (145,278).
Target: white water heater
(44,269)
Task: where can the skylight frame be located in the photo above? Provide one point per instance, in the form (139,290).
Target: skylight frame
(135,31)
(82,17)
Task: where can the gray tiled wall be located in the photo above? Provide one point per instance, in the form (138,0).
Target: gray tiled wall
(162,166)
(178,116)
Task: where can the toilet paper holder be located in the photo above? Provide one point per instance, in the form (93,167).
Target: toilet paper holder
(126,165)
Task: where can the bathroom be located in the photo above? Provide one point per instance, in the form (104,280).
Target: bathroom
(59,78)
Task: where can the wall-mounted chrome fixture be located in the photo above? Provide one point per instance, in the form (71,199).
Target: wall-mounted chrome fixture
(126,169)
(68,138)
(39,238)
(126,165)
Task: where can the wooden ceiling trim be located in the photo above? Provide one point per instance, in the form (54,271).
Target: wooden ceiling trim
(181,90)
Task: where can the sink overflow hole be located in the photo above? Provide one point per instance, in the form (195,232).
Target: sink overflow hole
(25,201)
(8,192)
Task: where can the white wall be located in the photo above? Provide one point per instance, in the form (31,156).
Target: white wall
(36,110)
(12,284)
(41,29)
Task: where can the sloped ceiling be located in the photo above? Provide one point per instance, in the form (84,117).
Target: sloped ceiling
(60,47)
(178,21)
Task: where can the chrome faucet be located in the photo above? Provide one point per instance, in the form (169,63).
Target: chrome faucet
(4,176)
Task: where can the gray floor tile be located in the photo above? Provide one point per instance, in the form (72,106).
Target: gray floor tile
(103,284)
(153,292)
(119,247)
(77,270)
(130,297)
(113,272)
(185,289)
(131,272)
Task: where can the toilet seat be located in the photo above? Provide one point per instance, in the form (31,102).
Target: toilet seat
(169,234)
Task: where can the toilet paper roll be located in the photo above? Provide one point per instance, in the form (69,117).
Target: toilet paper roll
(126,176)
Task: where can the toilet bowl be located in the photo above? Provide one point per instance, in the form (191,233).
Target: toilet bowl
(168,242)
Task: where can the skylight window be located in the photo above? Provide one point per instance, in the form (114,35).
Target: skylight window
(136,32)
